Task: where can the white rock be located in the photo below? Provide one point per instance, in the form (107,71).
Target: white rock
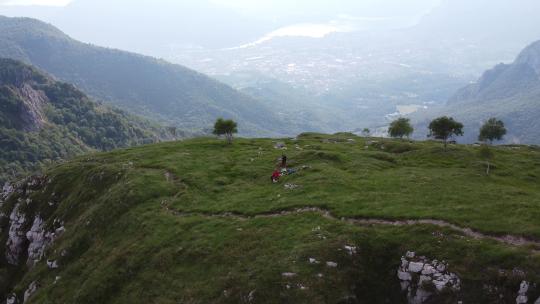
(350,249)
(32,288)
(52,264)
(38,241)
(60,231)
(7,189)
(410,254)
(404,276)
(428,270)
(441,268)
(440,285)
(416,267)
(288,274)
(332,264)
(423,279)
(313,261)
(523,288)
(56,279)
(537,301)
(16,236)
(404,263)
(12,299)
(522,299)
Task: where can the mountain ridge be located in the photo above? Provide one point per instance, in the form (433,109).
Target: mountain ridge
(171,94)
(510,92)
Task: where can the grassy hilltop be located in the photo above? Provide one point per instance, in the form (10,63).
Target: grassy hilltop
(199,221)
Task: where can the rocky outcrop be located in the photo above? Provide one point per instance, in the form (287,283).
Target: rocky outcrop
(522,293)
(11,299)
(38,241)
(32,288)
(7,189)
(31,109)
(16,236)
(422,278)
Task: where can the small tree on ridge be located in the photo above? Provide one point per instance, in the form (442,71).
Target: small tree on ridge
(226,128)
(400,128)
(443,128)
(492,130)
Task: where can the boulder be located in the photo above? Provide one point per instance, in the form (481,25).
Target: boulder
(52,264)
(414,284)
(351,250)
(522,293)
(416,267)
(428,270)
(12,299)
(404,276)
(332,264)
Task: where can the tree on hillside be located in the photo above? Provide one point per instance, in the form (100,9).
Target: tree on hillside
(400,128)
(443,128)
(487,155)
(226,128)
(492,130)
(366,132)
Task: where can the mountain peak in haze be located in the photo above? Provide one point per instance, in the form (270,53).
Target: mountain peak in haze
(531,56)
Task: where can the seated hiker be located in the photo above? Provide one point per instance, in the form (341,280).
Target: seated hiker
(275,176)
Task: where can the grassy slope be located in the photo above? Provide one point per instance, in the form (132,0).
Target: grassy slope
(123,247)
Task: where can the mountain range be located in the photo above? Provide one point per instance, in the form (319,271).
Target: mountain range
(170,94)
(510,92)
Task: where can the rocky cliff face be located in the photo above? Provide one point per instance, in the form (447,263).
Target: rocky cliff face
(32,112)
(29,234)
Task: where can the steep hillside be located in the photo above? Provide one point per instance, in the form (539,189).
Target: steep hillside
(510,92)
(360,221)
(170,93)
(42,120)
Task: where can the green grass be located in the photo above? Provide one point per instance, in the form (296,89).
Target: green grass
(124,247)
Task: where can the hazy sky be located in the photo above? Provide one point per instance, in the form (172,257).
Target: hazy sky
(209,23)
(36,2)
(353,7)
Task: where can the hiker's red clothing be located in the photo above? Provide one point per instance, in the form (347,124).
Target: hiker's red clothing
(276,175)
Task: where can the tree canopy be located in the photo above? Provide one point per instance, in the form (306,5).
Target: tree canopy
(226,128)
(492,130)
(400,128)
(443,128)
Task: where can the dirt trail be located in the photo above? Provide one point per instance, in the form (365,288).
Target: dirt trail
(507,239)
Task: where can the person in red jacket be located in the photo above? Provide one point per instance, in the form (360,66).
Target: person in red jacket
(275,176)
